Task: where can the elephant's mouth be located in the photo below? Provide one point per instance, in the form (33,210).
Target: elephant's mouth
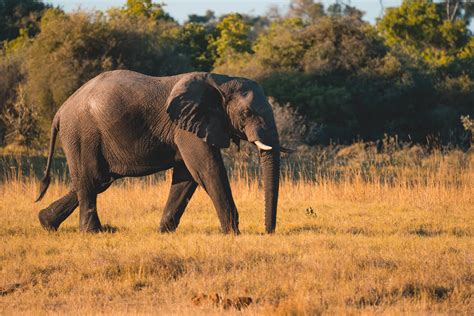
(263,138)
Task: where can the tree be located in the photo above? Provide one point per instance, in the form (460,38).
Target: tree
(208,17)
(257,24)
(313,67)
(419,28)
(194,42)
(282,46)
(456,9)
(146,8)
(340,45)
(232,38)
(73,48)
(20,14)
(342,9)
(306,10)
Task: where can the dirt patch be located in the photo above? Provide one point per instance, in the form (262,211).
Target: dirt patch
(11,288)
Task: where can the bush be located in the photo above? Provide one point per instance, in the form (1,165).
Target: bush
(21,121)
(11,75)
(468,125)
(292,127)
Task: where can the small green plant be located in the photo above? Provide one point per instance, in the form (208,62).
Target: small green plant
(310,212)
(468,125)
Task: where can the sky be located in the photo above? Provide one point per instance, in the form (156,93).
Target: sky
(180,9)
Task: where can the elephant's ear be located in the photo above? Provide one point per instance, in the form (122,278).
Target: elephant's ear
(197,105)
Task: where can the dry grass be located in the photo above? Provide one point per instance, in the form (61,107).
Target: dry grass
(354,241)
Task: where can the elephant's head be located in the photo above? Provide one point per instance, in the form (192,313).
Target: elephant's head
(218,108)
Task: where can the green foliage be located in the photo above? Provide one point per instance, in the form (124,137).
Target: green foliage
(18,44)
(283,46)
(311,66)
(339,73)
(16,15)
(73,48)
(145,8)
(232,38)
(193,41)
(411,75)
(340,45)
(421,30)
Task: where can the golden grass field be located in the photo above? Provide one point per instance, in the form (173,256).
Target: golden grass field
(351,244)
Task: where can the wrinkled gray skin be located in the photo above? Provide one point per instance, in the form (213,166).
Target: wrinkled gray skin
(125,124)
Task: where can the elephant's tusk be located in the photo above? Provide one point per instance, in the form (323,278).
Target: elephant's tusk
(262,146)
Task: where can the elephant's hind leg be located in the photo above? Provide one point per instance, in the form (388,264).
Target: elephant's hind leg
(88,217)
(87,192)
(182,189)
(56,213)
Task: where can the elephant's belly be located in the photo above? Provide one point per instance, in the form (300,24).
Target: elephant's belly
(136,162)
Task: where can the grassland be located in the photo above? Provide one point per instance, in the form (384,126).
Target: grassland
(361,232)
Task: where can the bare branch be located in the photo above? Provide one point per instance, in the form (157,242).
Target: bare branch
(453,15)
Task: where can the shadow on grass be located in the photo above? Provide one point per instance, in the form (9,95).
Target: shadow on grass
(412,291)
(106,229)
(109,229)
(317,229)
(425,231)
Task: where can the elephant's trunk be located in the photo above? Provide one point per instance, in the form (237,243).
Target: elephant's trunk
(271,179)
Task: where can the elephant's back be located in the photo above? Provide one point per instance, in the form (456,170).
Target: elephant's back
(114,95)
(119,88)
(119,109)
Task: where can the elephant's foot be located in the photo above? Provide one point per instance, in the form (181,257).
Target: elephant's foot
(56,213)
(231,227)
(91,223)
(233,231)
(92,229)
(168,226)
(46,219)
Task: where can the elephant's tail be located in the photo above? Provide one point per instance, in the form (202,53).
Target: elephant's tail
(47,178)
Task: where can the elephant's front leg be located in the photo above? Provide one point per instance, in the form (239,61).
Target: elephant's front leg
(182,189)
(206,166)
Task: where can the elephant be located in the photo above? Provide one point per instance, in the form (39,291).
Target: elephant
(126,124)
